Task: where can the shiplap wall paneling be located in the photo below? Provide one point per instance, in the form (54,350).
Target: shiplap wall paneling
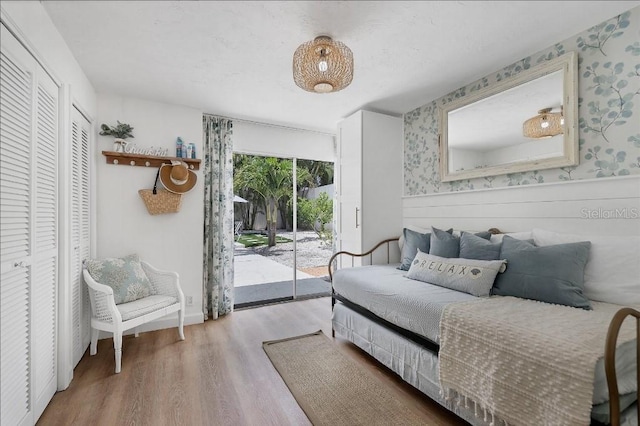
(28,234)
(589,207)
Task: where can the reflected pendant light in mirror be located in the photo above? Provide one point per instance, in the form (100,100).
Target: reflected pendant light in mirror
(544,125)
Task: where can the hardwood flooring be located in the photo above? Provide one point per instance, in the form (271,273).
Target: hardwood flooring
(218,376)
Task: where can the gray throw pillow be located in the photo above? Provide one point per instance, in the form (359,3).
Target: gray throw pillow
(412,242)
(552,274)
(470,276)
(476,247)
(445,244)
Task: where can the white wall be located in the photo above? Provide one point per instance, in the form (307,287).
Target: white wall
(315,192)
(277,141)
(169,241)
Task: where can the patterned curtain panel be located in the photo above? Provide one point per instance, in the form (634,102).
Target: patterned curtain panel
(218,215)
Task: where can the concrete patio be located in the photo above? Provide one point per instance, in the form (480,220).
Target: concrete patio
(258,278)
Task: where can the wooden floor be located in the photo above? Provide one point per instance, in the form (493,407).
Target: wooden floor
(218,376)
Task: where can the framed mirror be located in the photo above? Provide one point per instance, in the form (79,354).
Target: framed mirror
(523,123)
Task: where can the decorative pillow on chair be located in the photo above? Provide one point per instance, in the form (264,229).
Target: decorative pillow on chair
(552,274)
(124,275)
(470,276)
(476,247)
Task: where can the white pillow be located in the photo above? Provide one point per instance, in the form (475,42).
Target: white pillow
(525,235)
(612,273)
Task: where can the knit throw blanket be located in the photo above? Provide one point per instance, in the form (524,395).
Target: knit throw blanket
(524,362)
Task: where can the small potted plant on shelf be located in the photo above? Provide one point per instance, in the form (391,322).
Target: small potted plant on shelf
(120,132)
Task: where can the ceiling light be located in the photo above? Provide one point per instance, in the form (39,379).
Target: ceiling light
(544,125)
(323,65)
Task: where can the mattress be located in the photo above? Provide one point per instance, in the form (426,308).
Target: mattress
(417,306)
(385,291)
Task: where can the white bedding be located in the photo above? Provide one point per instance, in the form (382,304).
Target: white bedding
(417,306)
(383,290)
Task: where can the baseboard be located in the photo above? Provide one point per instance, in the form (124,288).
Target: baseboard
(170,321)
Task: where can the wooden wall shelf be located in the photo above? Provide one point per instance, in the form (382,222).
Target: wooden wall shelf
(122,158)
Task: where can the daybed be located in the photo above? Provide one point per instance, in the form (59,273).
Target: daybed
(400,322)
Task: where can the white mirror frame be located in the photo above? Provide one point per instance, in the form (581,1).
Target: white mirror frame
(568,63)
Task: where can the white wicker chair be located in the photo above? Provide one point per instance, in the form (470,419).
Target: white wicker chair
(107,316)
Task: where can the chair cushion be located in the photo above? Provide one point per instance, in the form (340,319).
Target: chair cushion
(124,275)
(144,306)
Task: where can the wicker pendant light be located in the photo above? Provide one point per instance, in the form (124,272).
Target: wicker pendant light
(323,65)
(544,125)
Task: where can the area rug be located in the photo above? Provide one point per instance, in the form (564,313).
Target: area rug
(333,389)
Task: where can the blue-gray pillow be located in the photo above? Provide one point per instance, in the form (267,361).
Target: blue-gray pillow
(552,274)
(444,244)
(477,247)
(412,242)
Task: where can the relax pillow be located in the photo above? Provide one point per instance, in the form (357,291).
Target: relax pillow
(471,276)
(552,274)
(444,244)
(414,241)
(125,276)
(612,273)
(475,247)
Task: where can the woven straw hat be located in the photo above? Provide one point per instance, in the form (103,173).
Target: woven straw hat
(177,177)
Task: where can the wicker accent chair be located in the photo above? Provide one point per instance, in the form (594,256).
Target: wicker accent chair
(107,316)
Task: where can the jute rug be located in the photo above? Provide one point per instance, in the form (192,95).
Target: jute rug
(333,389)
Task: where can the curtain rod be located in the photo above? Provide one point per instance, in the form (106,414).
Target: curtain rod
(270,125)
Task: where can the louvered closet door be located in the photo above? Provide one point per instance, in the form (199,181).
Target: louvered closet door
(45,250)
(16,89)
(28,234)
(80,231)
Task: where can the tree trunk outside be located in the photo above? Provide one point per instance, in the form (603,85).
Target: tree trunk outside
(272,221)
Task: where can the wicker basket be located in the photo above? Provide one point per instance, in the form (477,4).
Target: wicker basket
(162,202)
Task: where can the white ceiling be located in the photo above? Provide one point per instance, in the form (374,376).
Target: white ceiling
(235,58)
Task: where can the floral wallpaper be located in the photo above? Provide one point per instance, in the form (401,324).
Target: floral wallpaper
(609,115)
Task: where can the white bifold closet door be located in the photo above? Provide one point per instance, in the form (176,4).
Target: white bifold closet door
(80,232)
(28,234)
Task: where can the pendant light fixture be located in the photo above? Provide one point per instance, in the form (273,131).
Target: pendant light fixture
(323,65)
(544,125)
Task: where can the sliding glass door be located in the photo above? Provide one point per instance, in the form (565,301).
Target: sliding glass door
(274,197)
